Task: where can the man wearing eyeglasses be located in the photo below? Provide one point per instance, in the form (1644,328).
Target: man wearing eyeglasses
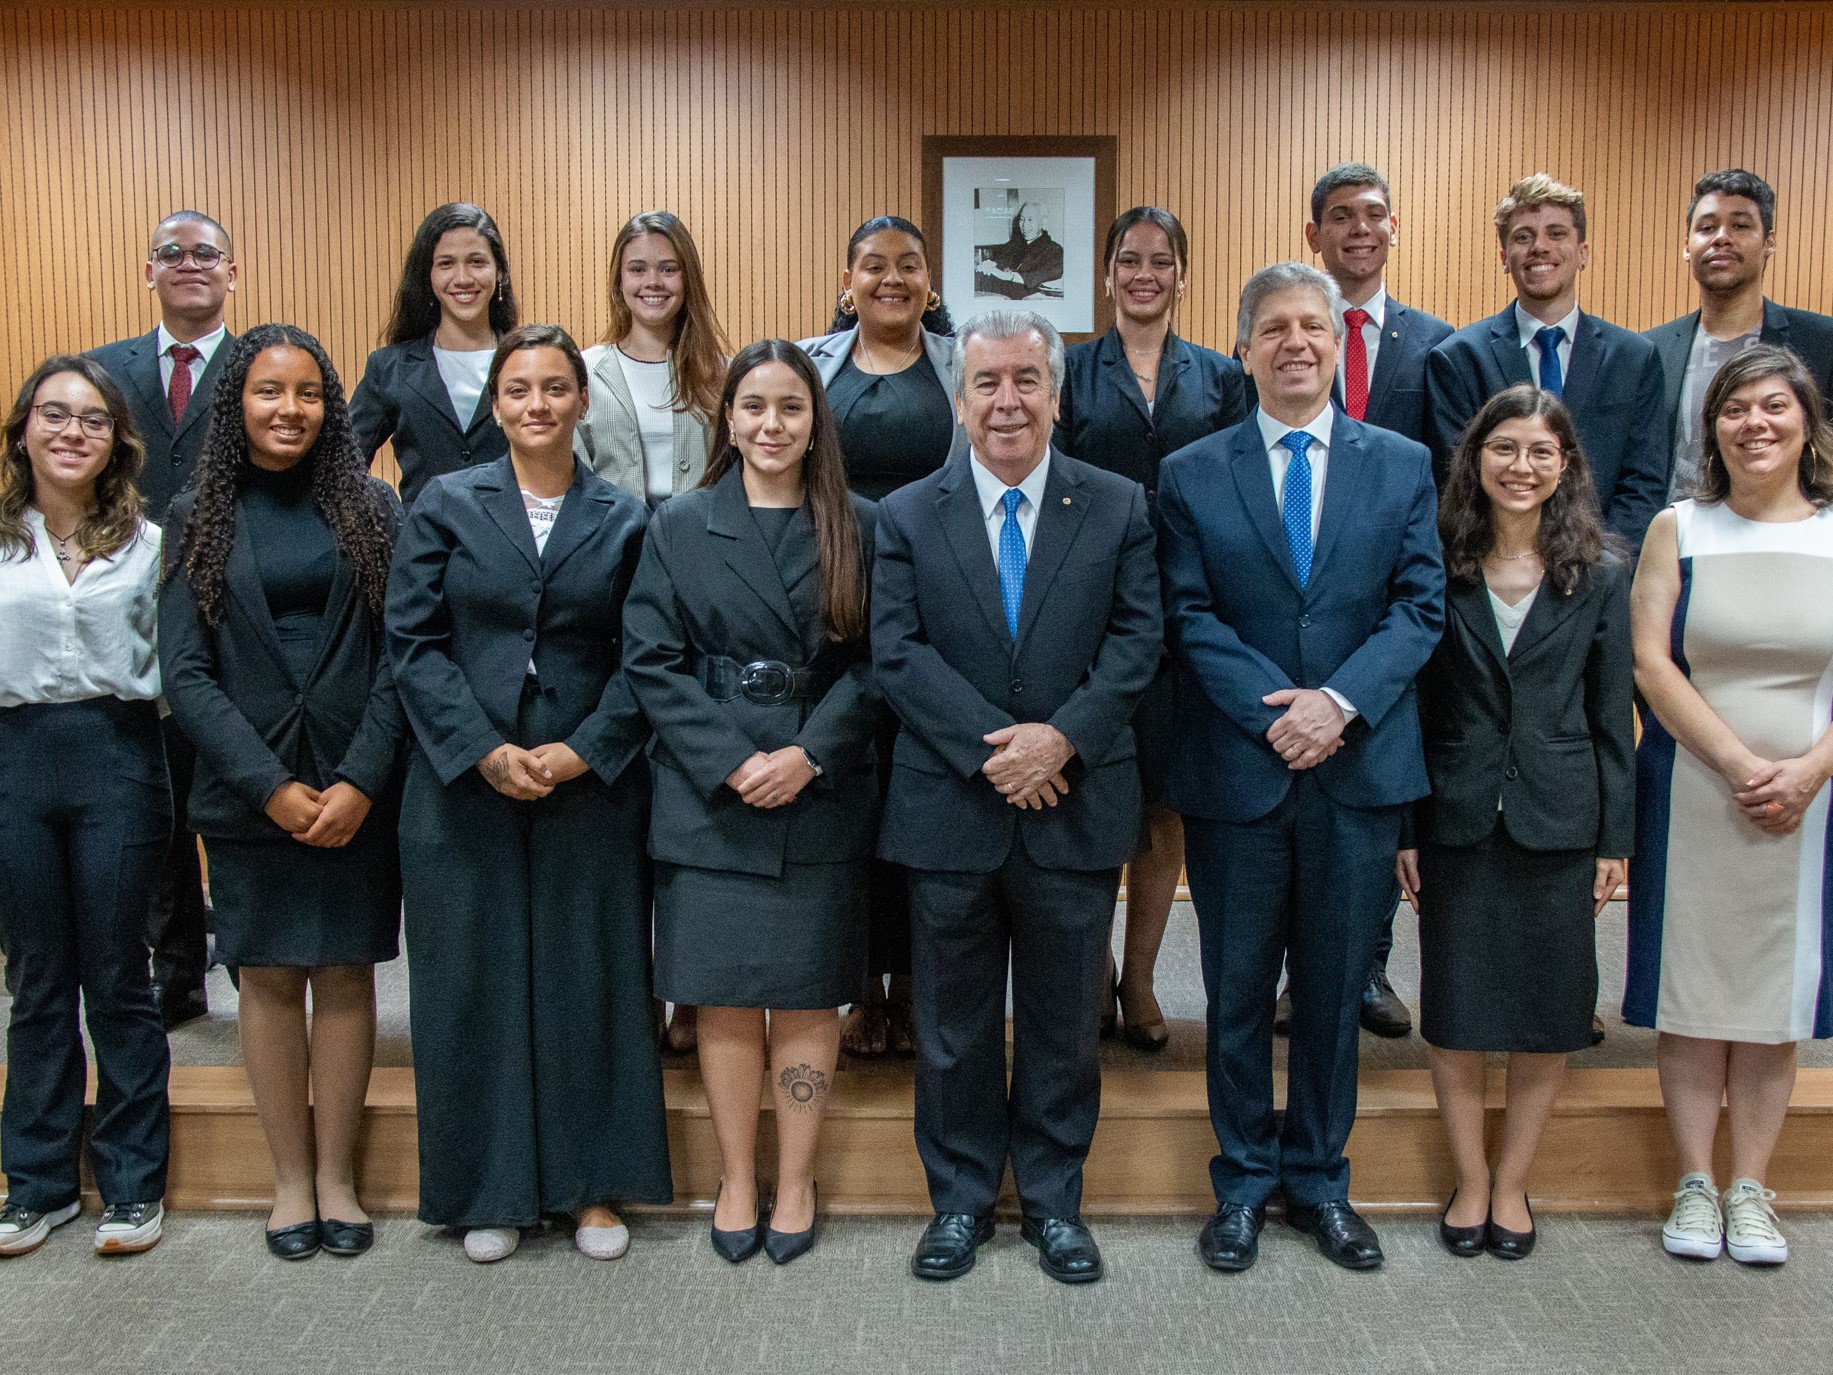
(168,377)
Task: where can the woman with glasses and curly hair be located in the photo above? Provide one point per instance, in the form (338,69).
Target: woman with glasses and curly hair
(85,814)
(271,644)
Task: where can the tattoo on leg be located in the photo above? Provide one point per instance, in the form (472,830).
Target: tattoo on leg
(804,1087)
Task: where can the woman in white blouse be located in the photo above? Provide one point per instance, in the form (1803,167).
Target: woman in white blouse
(86,812)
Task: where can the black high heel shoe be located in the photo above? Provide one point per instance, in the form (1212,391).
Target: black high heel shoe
(740,1245)
(1461,1241)
(783,1247)
(1506,1245)
(296,1242)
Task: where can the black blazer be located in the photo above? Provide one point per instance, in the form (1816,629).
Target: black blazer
(707,584)
(1089,634)
(255,728)
(171,449)
(1613,387)
(402,397)
(1549,728)
(1102,417)
(1808,334)
(469,599)
(1397,391)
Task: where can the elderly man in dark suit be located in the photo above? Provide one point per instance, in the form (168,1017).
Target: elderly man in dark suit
(1609,378)
(169,378)
(1731,236)
(1303,591)
(1015,623)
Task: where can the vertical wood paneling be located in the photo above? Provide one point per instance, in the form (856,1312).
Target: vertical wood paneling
(321,133)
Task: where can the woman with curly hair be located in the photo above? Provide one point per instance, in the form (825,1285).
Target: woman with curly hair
(271,646)
(86,812)
(1528,724)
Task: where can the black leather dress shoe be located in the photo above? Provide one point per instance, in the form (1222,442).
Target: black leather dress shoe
(180,1005)
(1230,1240)
(295,1242)
(1506,1245)
(946,1249)
(1461,1241)
(1066,1249)
(1597,1030)
(1282,1012)
(1382,1011)
(1340,1232)
(346,1238)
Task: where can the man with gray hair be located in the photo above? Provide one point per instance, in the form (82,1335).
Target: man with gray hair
(1015,623)
(1304,592)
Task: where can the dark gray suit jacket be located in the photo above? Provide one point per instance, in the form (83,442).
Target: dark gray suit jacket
(403,398)
(171,450)
(1808,334)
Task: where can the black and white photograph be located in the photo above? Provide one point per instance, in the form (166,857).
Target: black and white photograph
(1016,257)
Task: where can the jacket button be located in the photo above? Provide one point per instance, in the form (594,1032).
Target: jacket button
(535,587)
(1511,773)
(1018,686)
(299,699)
(528,634)
(684,465)
(1304,623)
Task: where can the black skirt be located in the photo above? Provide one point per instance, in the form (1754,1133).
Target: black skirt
(282,903)
(1507,947)
(743,940)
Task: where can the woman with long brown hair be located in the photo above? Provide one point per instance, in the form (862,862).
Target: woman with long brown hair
(745,641)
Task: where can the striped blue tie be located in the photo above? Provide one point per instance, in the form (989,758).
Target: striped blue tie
(1296,507)
(1549,340)
(1012,560)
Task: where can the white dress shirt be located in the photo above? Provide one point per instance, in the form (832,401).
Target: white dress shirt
(1376,306)
(466,372)
(1279,458)
(992,492)
(206,347)
(652,388)
(1526,327)
(64,641)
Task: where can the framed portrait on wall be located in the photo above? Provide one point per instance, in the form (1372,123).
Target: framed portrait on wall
(1018,221)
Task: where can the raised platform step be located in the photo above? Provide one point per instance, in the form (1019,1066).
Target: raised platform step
(1607,1148)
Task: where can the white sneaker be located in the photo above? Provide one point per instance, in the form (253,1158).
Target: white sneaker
(23,1231)
(1752,1235)
(486,1244)
(1694,1229)
(129,1227)
(602,1243)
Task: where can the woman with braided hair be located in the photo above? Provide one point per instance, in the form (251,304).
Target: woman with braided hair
(272,651)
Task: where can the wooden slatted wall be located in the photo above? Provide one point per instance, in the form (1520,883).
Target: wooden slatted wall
(321,133)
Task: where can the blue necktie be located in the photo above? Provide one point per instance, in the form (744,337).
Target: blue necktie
(1296,508)
(1012,560)
(1549,340)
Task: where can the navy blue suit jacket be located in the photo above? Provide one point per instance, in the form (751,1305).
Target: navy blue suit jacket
(1808,334)
(1397,391)
(1089,635)
(171,450)
(1240,626)
(1613,387)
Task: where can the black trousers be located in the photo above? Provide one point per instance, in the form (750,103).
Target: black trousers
(1308,883)
(1053,926)
(176,918)
(85,819)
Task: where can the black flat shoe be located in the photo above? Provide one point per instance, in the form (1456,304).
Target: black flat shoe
(740,1245)
(1506,1245)
(346,1238)
(1339,1231)
(946,1249)
(1066,1249)
(1230,1241)
(783,1247)
(1461,1241)
(296,1242)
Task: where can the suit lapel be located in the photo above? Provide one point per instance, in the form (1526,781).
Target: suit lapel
(746,553)
(1119,373)
(501,498)
(1394,328)
(1058,519)
(1775,324)
(1469,598)
(244,579)
(1342,478)
(423,376)
(1586,368)
(343,588)
(197,410)
(965,526)
(611,373)
(1674,346)
(1254,482)
(1550,610)
(143,376)
(574,523)
(798,559)
(1505,346)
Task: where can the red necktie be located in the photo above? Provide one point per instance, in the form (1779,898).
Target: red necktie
(1355,364)
(178,394)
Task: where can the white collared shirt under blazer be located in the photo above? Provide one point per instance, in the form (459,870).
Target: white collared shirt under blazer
(63,641)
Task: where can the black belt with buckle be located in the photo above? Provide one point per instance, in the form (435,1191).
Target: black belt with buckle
(767,682)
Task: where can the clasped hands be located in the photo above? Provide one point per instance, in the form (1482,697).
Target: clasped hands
(325,819)
(1310,731)
(1027,763)
(771,780)
(1775,795)
(527,775)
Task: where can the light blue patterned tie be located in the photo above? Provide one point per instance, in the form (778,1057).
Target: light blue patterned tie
(1549,340)
(1296,508)
(1012,560)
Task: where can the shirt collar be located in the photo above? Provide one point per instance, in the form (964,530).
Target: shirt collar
(1318,427)
(993,491)
(205,345)
(1526,326)
(1376,306)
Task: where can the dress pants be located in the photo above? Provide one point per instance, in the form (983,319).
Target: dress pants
(85,819)
(536,1074)
(1053,925)
(1307,882)
(176,916)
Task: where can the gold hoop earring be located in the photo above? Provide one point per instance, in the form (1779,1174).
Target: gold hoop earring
(846,303)
(932,302)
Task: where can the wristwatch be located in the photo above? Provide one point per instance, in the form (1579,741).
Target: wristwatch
(809,760)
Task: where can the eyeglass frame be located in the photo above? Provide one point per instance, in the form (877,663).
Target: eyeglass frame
(82,418)
(191,253)
(1547,460)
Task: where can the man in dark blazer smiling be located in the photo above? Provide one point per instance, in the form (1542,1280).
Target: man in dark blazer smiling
(1015,623)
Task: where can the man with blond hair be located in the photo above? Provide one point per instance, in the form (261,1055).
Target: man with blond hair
(1608,378)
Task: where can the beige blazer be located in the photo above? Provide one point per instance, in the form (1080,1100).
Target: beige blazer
(608,441)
